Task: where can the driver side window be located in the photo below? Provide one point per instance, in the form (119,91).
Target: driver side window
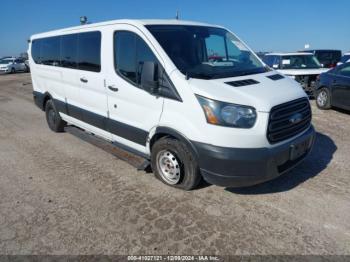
(345,71)
(130,51)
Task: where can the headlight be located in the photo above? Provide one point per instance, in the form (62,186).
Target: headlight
(226,114)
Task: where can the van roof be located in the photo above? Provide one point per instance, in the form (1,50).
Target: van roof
(293,53)
(139,22)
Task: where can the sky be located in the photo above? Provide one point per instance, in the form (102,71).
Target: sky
(265,25)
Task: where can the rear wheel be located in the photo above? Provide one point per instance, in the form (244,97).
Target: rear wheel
(53,118)
(174,164)
(323,98)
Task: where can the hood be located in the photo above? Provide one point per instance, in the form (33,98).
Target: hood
(262,95)
(297,72)
(7,64)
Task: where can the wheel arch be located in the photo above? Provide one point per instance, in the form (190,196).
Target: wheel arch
(170,132)
(46,97)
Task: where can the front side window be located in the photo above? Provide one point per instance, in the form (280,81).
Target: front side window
(206,52)
(130,51)
(300,62)
(89,51)
(345,71)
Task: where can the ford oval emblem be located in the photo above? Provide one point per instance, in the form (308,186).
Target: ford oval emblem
(296,118)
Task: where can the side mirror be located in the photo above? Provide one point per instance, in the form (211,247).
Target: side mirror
(149,77)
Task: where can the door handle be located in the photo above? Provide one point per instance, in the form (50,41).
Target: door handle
(113,88)
(83,79)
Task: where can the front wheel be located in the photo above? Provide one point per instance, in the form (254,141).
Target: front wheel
(323,98)
(174,164)
(13,70)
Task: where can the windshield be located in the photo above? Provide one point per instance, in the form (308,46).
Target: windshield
(300,62)
(5,61)
(345,58)
(206,52)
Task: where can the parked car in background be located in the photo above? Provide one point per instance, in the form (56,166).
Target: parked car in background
(26,62)
(261,54)
(333,88)
(303,67)
(345,58)
(12,65)
(328,58)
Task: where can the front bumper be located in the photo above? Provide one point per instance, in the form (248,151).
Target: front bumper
(240,167)
(4,71)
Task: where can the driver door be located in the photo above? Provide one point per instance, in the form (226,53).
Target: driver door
(133,112)
(341,87)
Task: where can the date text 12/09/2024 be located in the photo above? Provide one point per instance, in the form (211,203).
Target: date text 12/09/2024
(173,258)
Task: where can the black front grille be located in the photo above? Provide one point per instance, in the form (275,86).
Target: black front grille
(306,81)
(288,119)
(243,82)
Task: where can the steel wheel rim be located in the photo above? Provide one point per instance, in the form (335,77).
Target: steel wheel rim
(168,167)
(322,98)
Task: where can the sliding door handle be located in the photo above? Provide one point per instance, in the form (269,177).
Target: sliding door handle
(113,88)
(83,79)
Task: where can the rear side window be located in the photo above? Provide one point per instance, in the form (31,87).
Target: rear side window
(130,52)
(50,51)
(69,51)
(89,51)
(77,51)
(36,51)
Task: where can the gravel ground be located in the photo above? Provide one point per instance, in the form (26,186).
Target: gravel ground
(61,195)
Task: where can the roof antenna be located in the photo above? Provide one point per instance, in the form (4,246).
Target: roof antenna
(83,20)
(177,15)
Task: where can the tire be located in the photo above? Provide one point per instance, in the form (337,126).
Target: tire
(174,164)
(53,118)
(13,70)
(323,99)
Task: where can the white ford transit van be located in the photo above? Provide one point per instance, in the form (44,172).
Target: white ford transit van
(191,98)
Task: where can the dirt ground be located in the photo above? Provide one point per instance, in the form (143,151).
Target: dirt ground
(61,195)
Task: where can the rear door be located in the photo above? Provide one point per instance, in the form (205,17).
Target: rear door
(133,111)
(91,78)
(341,87)
(70,80)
